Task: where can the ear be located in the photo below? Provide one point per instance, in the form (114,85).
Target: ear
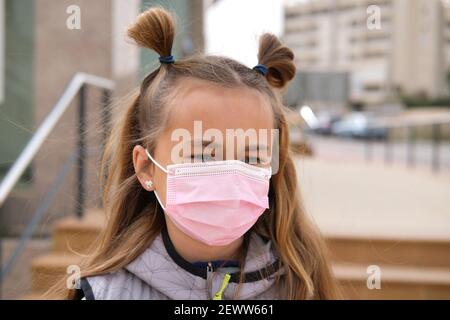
(143,168)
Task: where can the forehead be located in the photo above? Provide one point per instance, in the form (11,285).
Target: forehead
(219,107)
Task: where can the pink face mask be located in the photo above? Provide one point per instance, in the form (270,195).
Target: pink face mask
(215,202)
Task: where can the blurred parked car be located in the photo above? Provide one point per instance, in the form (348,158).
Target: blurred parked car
(319,123)
(325,123)
(358,125)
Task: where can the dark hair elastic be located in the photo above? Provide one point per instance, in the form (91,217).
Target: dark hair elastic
(261,69)
(167,59)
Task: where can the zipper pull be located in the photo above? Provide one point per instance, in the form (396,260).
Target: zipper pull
(226,280)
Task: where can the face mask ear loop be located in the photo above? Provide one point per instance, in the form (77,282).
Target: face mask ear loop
(163,169)
(157,198)
(155,162)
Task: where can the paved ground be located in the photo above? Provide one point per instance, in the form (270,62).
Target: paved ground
(373,200)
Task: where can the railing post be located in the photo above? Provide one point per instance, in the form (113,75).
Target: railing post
(387,147)
(106,114)
(106,123)
(81,151)
(411,138)
(369,149)
(436,140)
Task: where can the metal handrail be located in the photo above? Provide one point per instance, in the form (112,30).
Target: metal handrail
(411,126)
(44,130)
(77,86)
(404,124)
(40,212)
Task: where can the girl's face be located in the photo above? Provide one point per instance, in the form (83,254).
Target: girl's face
(198,107)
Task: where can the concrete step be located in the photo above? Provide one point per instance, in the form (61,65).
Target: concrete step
(48,269)
(396,282)
(75,235)
(32,296)
(40,296)
(72,238)
(408,252)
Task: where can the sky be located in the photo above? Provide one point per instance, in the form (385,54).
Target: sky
(232,27)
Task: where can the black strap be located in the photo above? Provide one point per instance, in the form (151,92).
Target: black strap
(85,291)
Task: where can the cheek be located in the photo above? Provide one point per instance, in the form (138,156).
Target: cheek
(160,179)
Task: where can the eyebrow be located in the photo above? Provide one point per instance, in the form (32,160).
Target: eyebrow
(213,143)
(204,143)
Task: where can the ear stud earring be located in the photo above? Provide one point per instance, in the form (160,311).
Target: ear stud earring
(149,184)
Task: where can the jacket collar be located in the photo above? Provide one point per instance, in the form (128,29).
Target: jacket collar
(165,271)
(253,251)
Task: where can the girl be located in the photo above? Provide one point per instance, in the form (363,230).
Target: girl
(224,229)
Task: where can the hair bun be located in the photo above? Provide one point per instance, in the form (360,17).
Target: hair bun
(278,59)
(154,29)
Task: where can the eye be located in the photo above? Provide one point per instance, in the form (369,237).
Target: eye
(252,159)
(201,158)
(208,158)
(196,157)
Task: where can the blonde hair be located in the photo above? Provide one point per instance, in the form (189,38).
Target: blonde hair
(134,217)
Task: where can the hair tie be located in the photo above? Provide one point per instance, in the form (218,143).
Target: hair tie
(167,59)
(261,69)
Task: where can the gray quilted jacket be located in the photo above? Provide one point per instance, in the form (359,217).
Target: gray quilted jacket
(161,273)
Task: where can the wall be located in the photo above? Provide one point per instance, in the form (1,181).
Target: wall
(16,111)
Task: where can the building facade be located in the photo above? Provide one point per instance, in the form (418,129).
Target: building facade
(388,47)
(40,54)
